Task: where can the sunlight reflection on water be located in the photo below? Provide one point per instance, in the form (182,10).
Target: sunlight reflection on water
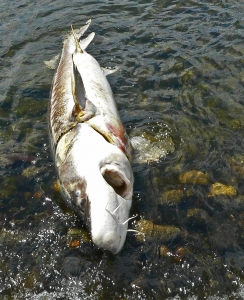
(180,87)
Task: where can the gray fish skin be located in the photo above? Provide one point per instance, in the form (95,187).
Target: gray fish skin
(61,100)
(91,152)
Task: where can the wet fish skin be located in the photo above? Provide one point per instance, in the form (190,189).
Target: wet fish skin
(98,199)
(106,118)
(61,98)
(91,154)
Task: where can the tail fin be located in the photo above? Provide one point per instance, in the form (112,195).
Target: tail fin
(85,42)
(78,49)
(83,29)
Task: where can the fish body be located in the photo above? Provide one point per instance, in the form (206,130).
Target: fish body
(91,148)
(101,102)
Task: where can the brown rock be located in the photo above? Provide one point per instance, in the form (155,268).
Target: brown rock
(74,243)
(56,186)
(171,197)
(194,177)
(164,251)
(148,229)
(222,189)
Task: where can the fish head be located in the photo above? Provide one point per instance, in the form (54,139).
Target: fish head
(110,198)
(73,185)
(73,189)
(97,183)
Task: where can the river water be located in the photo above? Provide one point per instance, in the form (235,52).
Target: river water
(179,91)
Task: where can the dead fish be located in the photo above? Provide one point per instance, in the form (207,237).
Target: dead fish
(91,148)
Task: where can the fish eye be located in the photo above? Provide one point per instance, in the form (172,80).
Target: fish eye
(77,193)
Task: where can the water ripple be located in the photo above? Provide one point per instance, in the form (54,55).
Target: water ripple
(180,89)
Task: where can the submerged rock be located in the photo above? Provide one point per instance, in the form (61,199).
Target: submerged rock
(194,177)
(149,230)
(239,170)
(197,219)
(74,243)
(180,254)
(146,150)
(30,171)
(56,186)
(188,75)
(76,236)
(164,251)
(176,257)
(240,200)
(222,189)
(171,197)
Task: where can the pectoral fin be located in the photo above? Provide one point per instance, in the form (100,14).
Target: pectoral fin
(87,114)
(83,108)
(78,88)
(109,71)
(78,93)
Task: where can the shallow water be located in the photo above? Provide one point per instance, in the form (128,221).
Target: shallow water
(180,86)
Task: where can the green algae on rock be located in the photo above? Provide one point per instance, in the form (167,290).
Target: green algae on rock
(180,254)
(30,172)
(164,251)
(78,234)
(194,177)
(222,189)
(197,219)
(171,197)
(149,230)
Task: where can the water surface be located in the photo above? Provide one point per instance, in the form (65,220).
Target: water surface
(180,86)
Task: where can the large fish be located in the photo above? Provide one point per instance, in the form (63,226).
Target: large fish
(91,148)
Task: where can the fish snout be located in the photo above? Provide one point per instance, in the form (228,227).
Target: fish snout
(109,229)
(111,241)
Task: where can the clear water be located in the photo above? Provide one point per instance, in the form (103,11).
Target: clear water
(180,86)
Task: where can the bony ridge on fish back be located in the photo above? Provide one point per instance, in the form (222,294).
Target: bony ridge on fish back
(91,148)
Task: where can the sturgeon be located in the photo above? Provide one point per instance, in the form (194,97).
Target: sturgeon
(90,146)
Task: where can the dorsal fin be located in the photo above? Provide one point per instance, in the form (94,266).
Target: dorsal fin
(78,48)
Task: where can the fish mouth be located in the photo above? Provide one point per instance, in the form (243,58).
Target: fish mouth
(108,233)
(107,230)
(111,242)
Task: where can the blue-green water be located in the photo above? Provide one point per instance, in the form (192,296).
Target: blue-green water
(181,76)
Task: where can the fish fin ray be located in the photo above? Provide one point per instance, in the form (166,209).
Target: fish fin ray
(77,109)
(89,112)
(78,48)
(52,63)
(109,71)
(78,88)
(82,30)
(86,41)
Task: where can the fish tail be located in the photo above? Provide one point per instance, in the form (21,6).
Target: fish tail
(83,29)
(83,44)
(78,48)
